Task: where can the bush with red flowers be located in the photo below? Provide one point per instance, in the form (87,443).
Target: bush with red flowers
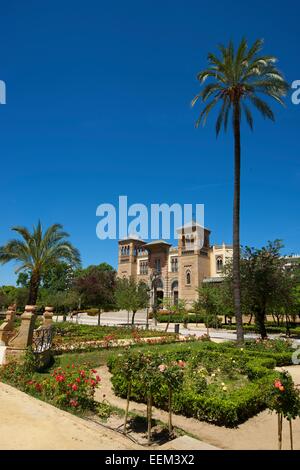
(284,397)
(70,388)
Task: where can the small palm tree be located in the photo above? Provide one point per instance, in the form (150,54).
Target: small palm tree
(38,250)
(238,78)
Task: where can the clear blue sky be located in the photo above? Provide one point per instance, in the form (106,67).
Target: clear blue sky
(98,100)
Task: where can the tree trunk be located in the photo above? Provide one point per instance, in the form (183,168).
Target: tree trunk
(236,224)
(149,417)
(170,425)
(34,287)
(291,434)
(287,325)
(132,318)
(279,431)
(99,317)
(127,406)
(260,322)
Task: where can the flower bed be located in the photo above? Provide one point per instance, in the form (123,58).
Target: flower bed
(73,337)
(109,342)
(69,388)
(222,384)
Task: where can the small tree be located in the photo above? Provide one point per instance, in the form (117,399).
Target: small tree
(37,250)
(174,309)
(131,295)
(173,377)
(265,285)
(209,301)
(96,285)
(284,398)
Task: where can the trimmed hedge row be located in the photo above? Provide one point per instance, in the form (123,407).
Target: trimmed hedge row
(230,409)
(269,328)
(191,318)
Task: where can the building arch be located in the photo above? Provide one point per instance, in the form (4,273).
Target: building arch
(219,263)
(174,291)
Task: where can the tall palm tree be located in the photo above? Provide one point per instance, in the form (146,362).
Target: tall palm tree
(239,77)
(37,250)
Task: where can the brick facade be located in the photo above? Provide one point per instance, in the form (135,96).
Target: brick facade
(180,269)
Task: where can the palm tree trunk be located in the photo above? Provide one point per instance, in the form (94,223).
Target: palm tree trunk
(236,224)
(34,287)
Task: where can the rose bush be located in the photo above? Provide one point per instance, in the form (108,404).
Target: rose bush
(69,388)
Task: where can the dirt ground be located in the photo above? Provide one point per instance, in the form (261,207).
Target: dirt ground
(27,423)
(258,433)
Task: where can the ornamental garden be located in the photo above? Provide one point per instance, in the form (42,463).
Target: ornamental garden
(47,353)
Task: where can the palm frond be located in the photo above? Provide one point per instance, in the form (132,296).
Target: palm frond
(236,76)
(204,113)
(262,107)
(248,115)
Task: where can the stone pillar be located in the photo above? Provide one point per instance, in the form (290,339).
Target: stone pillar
(48,314)
(7,327)
(24,337)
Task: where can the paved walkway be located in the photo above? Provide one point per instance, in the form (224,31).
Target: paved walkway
(258,433)
(121,318)
(30,424)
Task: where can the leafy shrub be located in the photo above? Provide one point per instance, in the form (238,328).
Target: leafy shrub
(247,373)
(213,321)
(70,388)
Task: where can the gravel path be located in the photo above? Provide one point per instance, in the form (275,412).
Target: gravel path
(258,433)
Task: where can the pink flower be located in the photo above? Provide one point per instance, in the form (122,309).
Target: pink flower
(162,367)
(74,403)
(82,373)
(277,384)
(181,363)
(74,387)
(98,378)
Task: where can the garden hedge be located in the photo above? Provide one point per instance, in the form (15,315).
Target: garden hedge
(230,409)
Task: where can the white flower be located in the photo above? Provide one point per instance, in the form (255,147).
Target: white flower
(213,375)
(224,388)
(242,349)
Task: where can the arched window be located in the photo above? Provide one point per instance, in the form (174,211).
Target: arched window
(174,285)
(188,278)
(174,265)
(219,264)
